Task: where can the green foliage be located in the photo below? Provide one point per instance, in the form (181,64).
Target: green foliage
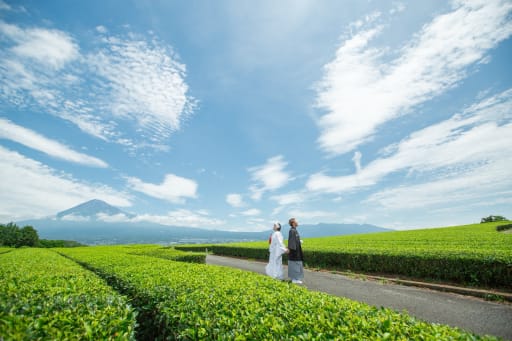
(474,254)
(157,251)
(503,227)
(9,234)
(48,243)
(492,219)
(172,254)
(28,237)
(203,302)
(12,235)
(5,249)
(44,296)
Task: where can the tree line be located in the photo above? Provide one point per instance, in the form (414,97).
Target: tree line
(12,235)
(493,218)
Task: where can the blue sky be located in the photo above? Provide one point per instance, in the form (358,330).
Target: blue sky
(234,114)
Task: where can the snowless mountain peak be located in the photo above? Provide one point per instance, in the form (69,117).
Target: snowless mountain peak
(91,209)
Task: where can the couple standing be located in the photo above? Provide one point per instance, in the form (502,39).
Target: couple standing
(274,267)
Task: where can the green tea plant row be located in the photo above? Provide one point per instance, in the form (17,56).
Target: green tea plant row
(160,252)
(471,254)
(204,302)
(44,296)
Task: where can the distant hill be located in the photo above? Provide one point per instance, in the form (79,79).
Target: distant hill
(96,222)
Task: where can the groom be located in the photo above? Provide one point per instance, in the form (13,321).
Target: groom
(295,255)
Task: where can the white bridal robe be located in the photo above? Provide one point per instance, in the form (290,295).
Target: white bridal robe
(274,267)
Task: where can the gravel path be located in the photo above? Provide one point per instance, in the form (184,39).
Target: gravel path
(469,313)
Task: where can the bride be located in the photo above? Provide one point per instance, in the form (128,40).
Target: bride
(274,267)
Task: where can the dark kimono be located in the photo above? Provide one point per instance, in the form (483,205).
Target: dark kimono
(295,257)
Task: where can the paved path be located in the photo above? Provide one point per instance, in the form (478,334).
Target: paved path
(472,314)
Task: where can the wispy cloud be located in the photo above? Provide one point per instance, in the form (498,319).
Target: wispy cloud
(31,139)
(291,198)
(75,217)
(487,184)
(35,64)
(251,212)
(174,188)
(112,218)
(182,217)
(144,83)
(235,200)
(34,189)
(101,29)
(48,48)
(365,86)
(127,89)
(269,177)
(466,155)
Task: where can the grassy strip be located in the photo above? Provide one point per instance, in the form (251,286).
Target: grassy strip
(46,296)
(198,301)
(5,249)
(472,254)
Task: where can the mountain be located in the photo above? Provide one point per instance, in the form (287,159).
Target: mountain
(92,209)
(96,222)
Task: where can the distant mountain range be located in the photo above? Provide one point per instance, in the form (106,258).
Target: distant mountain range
(95,222)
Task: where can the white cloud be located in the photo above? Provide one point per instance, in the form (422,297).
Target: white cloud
(466,156)
(235,200)
(357,160)
(49,48)
(486,184)
(251,212)
(173,189)
(182,217)
(31,189)
(101,29)
(144,83)
(362,88)
(291,198)
(81,116)
(30,138)
(74,217)
(114,218)
(128,90)
(269,177)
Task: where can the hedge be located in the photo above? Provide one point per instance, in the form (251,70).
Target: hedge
(472,254)
(503,227)
(204,302)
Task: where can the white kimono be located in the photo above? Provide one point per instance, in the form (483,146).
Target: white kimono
(274,267)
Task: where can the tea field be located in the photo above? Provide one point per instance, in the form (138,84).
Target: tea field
(472,254)
(143,292)
(44,296)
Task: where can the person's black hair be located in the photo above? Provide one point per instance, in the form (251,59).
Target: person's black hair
(278,226)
